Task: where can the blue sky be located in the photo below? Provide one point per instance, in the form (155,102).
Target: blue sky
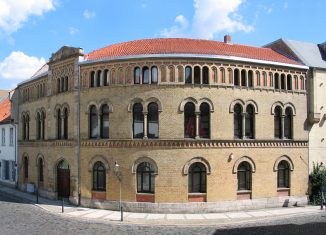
(30,30)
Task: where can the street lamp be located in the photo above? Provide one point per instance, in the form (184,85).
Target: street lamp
(322,167)
(118,175)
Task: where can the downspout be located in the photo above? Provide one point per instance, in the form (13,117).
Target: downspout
(78,136)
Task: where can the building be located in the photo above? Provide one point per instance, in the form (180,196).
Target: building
(191,123)
(8,149)
(314,56)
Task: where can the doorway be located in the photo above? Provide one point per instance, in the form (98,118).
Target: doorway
(63,179)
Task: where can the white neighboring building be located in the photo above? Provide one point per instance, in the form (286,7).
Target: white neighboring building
(8,144)
(314,56)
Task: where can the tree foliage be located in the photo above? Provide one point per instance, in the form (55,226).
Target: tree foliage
(317,180)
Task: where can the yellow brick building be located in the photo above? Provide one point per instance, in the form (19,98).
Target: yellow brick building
(192,124)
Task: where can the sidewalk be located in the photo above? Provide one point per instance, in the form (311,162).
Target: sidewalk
(148,218)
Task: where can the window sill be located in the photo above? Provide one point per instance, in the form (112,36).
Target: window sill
(197,194)
(282,189)
(243,191)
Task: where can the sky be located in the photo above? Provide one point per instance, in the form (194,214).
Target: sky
(31,30)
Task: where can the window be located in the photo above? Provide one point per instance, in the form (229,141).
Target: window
(288,123)
(152,120)
(3,137)
(282,81)
(197,178)
(106,77)
(188,75)
(250,78)
(249,122)
(278,122)
(197,75)
(25,167)
(244,176)
(154,74)
(25,127)
(93,122)
(145,178)
(258,78)
(283,175)
(236,77)
(145,75)
(59,133)
(289,82)
(38,126)
(65,123)
(189,120)
(40,167)
(105,121)
(43,125)
(66,84)
(205,75)
(137,75)
(11,137)
(92,79)
(204,125)
(98,78)
(243,77)
(58,86)
(138,121)
(237,117)
(99,177)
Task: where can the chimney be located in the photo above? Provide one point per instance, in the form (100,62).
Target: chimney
(227,39)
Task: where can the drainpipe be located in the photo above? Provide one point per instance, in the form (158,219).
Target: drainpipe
(78,136)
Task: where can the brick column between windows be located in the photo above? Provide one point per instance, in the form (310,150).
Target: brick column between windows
(145,125)
(197,124)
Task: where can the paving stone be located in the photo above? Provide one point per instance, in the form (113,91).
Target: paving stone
(194,216)
(238,215)
(156,216)
(175,217)
(216,216)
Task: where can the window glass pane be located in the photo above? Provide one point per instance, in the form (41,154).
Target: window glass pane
(105,122)
(249,121)
(204,125)
(205,75)
(145,75)
(152,120)
(137,76)
(190,120)
(138,122)
(93,122)
(154,74)
(197,75)
(288,124)
(188,75)
(237,121)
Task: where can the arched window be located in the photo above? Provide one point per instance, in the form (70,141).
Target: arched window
(258,78)
(278,122)
(283,174)
(154,74)
(98,78)
(59,128)
(277,81)
(38,126)
(188,75)
(197,75)
(189,120)
(106,77)
(43,125)
(138,121)
(66,84)
(40,170)
(250,78)
(288,123)
(236,77)
(222,71)
(214,75)
(204,125)
(65,123)
(145,75)
(205,75)
(237,118)
(244,176)
(152,120)
(105,121)
(137,75)
(197,178)
(99,177)
(93,122)
(283,81)
(249,122)
(289,82)
(265,78)
(145,178)
(62,84)
(301,83)
(58,86)
(243,78)
(25,167)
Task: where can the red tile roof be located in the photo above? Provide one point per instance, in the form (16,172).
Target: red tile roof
(5,109)
(187,46)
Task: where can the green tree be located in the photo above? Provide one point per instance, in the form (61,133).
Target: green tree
(317,179)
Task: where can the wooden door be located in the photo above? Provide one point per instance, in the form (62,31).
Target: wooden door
(63,183)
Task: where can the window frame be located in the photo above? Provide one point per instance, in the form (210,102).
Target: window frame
(97,173)
(145,169)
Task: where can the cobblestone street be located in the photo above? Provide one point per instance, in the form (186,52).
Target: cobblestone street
(18,217)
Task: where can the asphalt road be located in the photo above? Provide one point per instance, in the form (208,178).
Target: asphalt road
(18,217)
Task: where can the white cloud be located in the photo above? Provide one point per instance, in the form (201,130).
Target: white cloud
(13,13)
(89,14)
(73,31)
(144,5)
(19,66)
(211,17)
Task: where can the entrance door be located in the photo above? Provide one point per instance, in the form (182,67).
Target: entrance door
(63,180)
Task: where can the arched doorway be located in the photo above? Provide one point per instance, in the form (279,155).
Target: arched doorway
(63,179)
